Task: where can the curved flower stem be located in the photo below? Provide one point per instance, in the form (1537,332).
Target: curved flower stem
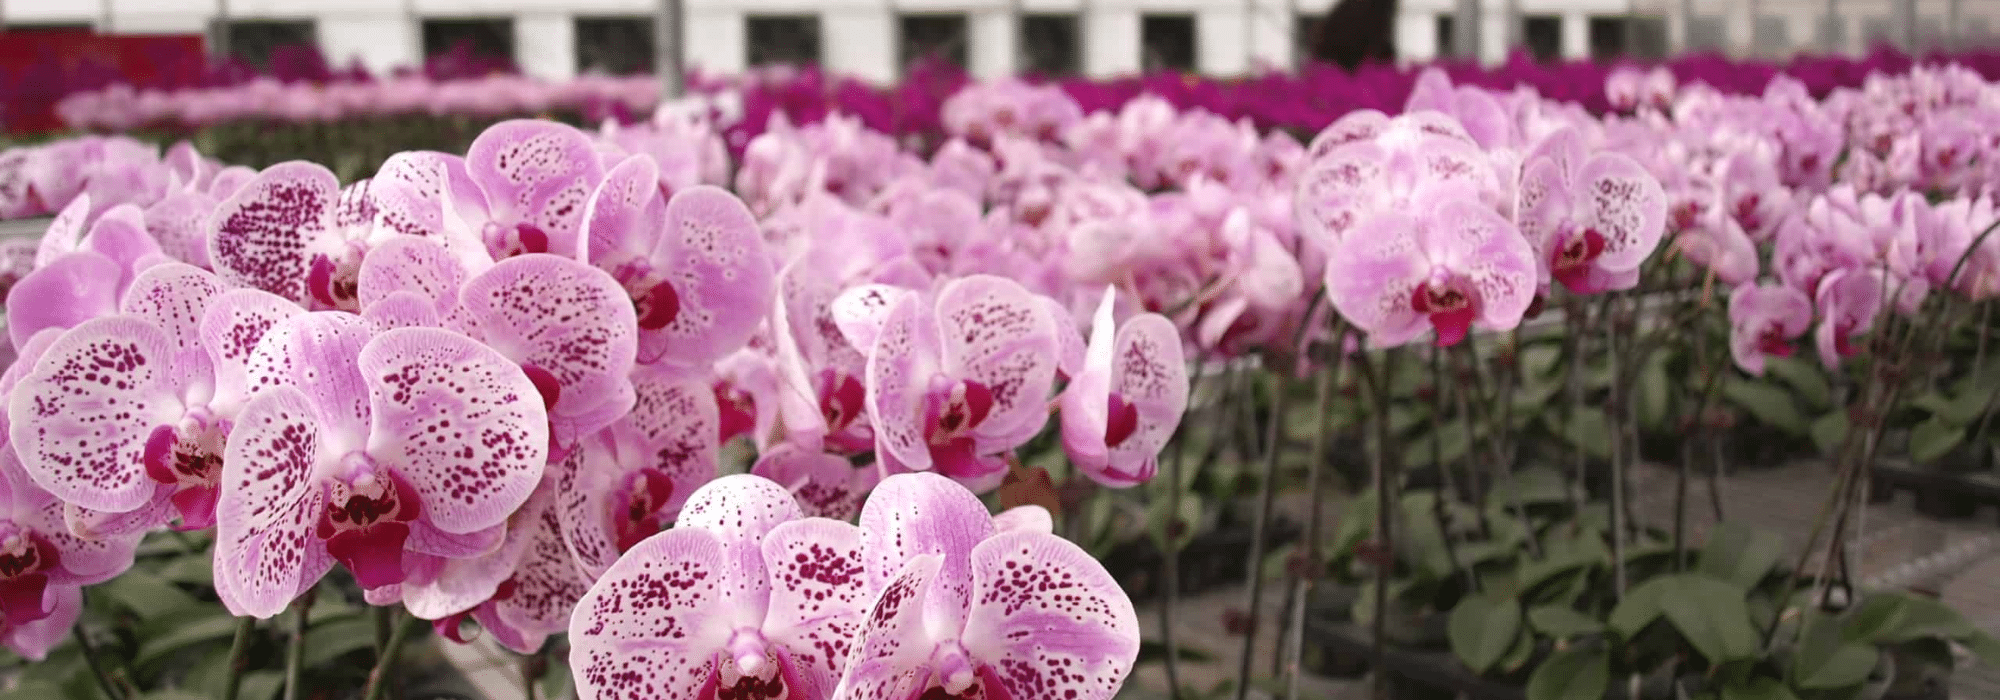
(1267,488)
(378,680)
(1315,487)
(1170,551)
(1260,529)
(1616,409)
(383,617)
(295,653)
(239,650)
(1503,461)
(1385,486)
(1448,490)
(1574,341)
(90,659)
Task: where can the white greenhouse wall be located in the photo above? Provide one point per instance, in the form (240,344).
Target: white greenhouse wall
(860,37)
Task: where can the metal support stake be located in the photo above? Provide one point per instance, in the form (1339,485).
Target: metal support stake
(667,49)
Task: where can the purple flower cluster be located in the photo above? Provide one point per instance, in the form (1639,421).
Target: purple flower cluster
(122,107)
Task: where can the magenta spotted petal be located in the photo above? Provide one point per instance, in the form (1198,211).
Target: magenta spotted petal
(627,482)
(411,264)
(562,317)
(258,236)
(1127,402)
(265,551)
(533,178)
(1457,265)
(1041,603)
(860,312)
(743,599)
(1358,125)
(402,309)
(1337,191)
(998,334)
(826,486)
(971,612)
(230,328)
(175,297)
(648,629)
(179,221)
(712,254)
(459,421)
(82,419)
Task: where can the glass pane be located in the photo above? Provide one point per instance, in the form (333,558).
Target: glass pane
(615,45)
(786,39)
(252,41)
(1771,35)
(486,38)
(1706,33)
(1607,37)
(1875,30)
(1443,27)
(1048,45)
(933,36)
(1542,35)
(1166,42)
(1830,31)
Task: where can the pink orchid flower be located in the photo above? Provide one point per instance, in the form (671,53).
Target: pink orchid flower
(1128,399)
(521,592)
(43,568)
(1386,168)
(530,180)
(630,480)
(744,598)
(963,609)
(1592,218)
(180,347)
(694,266)
(1849,301)
(826,485)
(381,452)
(1452,266)
(1763,321)
(956,378)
